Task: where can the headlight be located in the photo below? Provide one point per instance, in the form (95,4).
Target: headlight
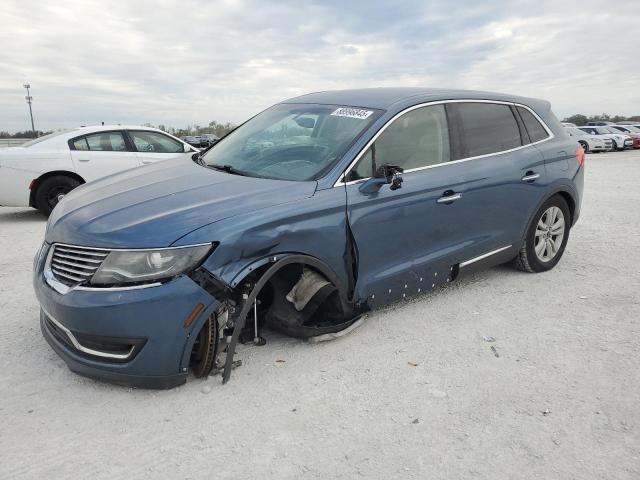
(134,266)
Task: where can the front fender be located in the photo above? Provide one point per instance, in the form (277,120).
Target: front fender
(314,227)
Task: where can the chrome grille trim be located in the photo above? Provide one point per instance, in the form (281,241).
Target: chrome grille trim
(71,266)
(64,264)
(86,252)
(73,257)
(67,275)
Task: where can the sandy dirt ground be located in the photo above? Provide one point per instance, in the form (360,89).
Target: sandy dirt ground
(415,392)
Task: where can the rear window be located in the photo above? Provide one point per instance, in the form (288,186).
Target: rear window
(486,128)
(101,142)
(534,128)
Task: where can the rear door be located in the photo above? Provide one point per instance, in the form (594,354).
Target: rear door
(102,153)
(154,147)
(505,162)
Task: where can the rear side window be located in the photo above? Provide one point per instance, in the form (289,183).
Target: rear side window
(417,139)
(534,128)
(155,142)
(486,128)
(101,142)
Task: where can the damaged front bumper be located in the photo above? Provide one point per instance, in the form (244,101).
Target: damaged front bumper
(135,337)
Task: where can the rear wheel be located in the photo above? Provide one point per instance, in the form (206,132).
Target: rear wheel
(546,237)
(51,190)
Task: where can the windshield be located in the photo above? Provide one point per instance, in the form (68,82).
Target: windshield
(46,137)
(577,131)
(291,141)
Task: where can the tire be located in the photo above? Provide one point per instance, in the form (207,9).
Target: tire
(540,251)
(585,146)
(51,190)
(614,146)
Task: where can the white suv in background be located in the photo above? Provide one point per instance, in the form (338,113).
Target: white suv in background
(590,143)
(40,172)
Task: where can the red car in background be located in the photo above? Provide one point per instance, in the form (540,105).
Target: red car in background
(633,132)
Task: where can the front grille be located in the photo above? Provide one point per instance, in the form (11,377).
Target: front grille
(75,265)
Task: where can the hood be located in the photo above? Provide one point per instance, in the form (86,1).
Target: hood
(153,206)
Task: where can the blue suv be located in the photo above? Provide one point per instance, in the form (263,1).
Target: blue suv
(311,213)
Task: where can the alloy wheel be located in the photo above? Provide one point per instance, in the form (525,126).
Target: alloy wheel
(549,234)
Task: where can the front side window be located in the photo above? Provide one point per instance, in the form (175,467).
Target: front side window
(155,142)
(486,128)
(101,142)
(291,141)
(417,139)
(534,128)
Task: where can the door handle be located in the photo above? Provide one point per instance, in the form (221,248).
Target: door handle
(83,159)
(449,196)
(530,177)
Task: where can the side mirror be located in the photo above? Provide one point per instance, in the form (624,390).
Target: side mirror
(187,148)
(385,175)
(392,175)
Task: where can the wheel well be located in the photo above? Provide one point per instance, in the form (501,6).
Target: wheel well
(570,203)
(55,173)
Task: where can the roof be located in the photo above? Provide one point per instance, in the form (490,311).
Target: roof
(386,98)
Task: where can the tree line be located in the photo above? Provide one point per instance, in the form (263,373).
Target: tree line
(580,119)
(216,128)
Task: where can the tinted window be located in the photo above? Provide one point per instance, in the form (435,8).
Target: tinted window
(101,142)
(417,139)
(486,128)
(534,128)
(155,142)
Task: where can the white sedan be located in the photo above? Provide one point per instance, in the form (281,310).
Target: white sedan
(40,172)
(589,143)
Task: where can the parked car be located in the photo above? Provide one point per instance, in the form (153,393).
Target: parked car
(568,124)
(619,139)
(41,172)
(599,123)
(630,130)
(192,140)
(590,143)
(349,208)
(209,139)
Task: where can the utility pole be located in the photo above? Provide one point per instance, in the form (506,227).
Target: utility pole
(29,100)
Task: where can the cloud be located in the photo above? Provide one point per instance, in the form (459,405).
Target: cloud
(176,63)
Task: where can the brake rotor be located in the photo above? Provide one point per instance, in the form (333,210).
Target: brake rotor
(203,355)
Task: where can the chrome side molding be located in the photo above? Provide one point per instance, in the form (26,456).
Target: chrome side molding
(483,256)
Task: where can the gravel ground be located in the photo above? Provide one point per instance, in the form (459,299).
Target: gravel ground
(415,392)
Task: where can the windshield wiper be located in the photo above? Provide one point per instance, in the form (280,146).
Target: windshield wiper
(231,170)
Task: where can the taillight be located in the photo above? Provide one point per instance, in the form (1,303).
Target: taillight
(580,156)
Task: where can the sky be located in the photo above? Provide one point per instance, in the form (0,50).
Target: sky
(180,63)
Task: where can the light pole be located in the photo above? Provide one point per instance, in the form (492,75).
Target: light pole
(29,99)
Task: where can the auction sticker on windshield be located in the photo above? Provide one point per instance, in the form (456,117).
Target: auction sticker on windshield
(352,112)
